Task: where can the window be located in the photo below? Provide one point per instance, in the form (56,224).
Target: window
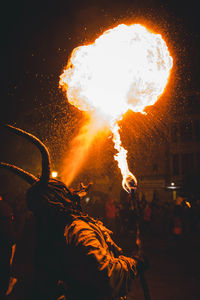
(175,164)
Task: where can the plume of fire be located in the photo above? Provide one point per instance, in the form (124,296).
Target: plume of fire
(121,158)
(127,67)
(78,151)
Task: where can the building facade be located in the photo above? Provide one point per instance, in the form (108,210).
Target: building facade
(174,157)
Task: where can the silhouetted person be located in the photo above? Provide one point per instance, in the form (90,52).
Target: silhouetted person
(73,250)
(147,217)
(178,215)
(111,213)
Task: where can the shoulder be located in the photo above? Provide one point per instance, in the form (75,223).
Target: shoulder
(79,231)
(77,225)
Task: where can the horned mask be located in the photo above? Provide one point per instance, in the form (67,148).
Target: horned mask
(45,191)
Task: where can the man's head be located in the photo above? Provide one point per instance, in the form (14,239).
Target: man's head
(45,192)
(54,195)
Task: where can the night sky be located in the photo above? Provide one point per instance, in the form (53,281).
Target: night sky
(37,38)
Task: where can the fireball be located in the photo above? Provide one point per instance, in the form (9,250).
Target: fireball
(127,67)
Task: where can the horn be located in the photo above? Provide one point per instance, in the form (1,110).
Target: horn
(31,179)
(46,162)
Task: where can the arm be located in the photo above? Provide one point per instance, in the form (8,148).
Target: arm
(93,262)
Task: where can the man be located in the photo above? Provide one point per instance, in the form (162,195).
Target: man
(75,250)
(74,254)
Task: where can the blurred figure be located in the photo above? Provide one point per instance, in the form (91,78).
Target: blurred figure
(124,211)
(167,218)
(187,212)
(147,217)
(132,217)
(111,213)
(178,214)
(7,248)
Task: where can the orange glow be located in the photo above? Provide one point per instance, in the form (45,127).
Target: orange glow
(127,67)
(188,204)
(54,174)
(121,158)
(79,148)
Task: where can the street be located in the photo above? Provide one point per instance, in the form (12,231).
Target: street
(173,273)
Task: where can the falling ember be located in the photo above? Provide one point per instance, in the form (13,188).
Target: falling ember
(127,67)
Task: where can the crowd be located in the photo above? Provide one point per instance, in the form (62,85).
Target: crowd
(74,255)
(177,218)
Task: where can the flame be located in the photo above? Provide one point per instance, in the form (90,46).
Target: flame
(188,204)
(79,148)
(121,158)
(127,67)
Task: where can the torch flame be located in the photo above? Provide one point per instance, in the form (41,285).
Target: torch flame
(127,67)
(121,158)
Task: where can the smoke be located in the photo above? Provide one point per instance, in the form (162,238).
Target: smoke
(79,149)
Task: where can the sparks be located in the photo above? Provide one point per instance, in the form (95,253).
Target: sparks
(127,67)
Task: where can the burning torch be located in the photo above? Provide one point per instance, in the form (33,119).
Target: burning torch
(130,187)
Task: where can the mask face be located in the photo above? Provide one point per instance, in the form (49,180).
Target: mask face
(45,193)
(55,193)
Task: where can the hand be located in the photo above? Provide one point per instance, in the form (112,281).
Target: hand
(142,261)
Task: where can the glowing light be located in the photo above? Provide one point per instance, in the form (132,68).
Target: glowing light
(127,67)
(188,204)
(87,199)
(54,174)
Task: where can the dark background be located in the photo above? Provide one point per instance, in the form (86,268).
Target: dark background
(37,38)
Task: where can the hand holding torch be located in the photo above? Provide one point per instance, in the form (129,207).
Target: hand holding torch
(130,187)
